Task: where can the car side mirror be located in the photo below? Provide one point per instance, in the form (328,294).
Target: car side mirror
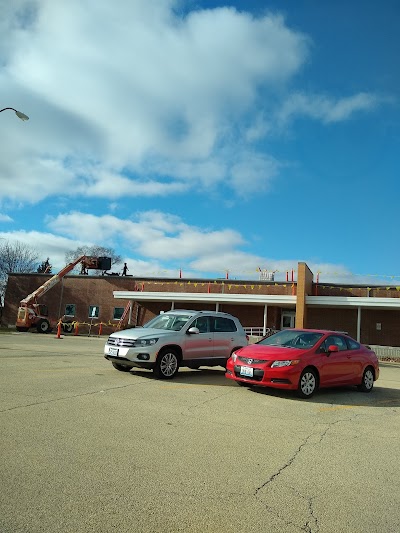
(332,348)
(193,331)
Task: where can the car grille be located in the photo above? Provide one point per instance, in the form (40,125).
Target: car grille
(118,341)
(251,361)
(258,374)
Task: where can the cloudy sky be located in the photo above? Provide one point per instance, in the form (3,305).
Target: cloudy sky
(202,135)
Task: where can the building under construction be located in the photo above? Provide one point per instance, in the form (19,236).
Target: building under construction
(371,314)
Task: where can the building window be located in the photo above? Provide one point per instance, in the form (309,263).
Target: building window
(94,311)
(69,310)
(118,312)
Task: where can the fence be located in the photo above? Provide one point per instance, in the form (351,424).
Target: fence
(386,352)
(259,332)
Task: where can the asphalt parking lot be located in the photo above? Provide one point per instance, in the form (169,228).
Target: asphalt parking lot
(85,448)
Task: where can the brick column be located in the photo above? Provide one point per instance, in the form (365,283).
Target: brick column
(304,288)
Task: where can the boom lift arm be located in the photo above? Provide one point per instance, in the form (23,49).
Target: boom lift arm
(87,262)
(32,314)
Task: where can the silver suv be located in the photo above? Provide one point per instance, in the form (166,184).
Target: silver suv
(176,338)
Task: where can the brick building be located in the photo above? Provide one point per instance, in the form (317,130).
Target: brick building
(370,314)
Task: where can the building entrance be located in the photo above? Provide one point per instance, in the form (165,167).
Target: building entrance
(288,319)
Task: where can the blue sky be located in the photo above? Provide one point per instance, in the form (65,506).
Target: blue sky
(205,136)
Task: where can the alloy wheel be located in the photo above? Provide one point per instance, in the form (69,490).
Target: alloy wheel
(368,379)
(169,364)
(308,384)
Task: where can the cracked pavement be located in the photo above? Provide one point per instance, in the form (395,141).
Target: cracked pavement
(86,448)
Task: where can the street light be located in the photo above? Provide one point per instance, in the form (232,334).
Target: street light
(19,114)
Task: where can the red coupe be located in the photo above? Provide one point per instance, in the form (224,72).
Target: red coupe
(304,360)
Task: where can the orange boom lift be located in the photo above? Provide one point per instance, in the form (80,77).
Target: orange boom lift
(32,314)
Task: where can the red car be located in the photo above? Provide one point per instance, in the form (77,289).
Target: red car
(304,360)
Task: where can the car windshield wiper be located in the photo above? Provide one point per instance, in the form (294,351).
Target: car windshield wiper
(274,344)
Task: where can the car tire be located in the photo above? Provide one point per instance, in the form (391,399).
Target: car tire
(167,364)
(367,382)
(308,383)
(43,326)
(121,368)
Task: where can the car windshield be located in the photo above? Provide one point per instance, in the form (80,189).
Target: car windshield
(168,321)
(292,338)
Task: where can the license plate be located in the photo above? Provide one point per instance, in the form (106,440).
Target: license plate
(246,371)
(113,351)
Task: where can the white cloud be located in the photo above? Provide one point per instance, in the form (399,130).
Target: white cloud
(147,269)
(5,218)
(253,173)
(159,244)
(140,102)
(325,109)
(137,95)
(258,128)
(153,234)
(110,184)
(46,244)
(85,226)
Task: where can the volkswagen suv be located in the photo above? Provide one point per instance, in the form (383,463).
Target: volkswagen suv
(176,338)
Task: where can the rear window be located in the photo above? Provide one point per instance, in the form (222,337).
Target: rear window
(221,324)
(353,345)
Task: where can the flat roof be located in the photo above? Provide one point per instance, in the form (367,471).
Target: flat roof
(260,299)
(201,297)
(353,302)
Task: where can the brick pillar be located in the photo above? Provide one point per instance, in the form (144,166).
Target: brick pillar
(304,288)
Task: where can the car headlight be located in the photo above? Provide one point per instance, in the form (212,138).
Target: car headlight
(145,342)
(278,364)
(234,357)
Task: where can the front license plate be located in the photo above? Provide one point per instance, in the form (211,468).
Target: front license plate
(113,351)
(246,371)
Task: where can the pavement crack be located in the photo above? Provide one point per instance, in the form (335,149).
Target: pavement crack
(313,517)
(283,468)
(311,523)
(52,400)
(284,519)
(208,400)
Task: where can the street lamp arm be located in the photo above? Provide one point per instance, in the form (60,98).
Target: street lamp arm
(19,114)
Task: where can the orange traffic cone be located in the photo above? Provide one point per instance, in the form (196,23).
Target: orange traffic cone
(58,331)
(100,328)
(76,328)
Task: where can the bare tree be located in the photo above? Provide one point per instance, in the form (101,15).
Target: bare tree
(15,256)
(95,251)
(45,267)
